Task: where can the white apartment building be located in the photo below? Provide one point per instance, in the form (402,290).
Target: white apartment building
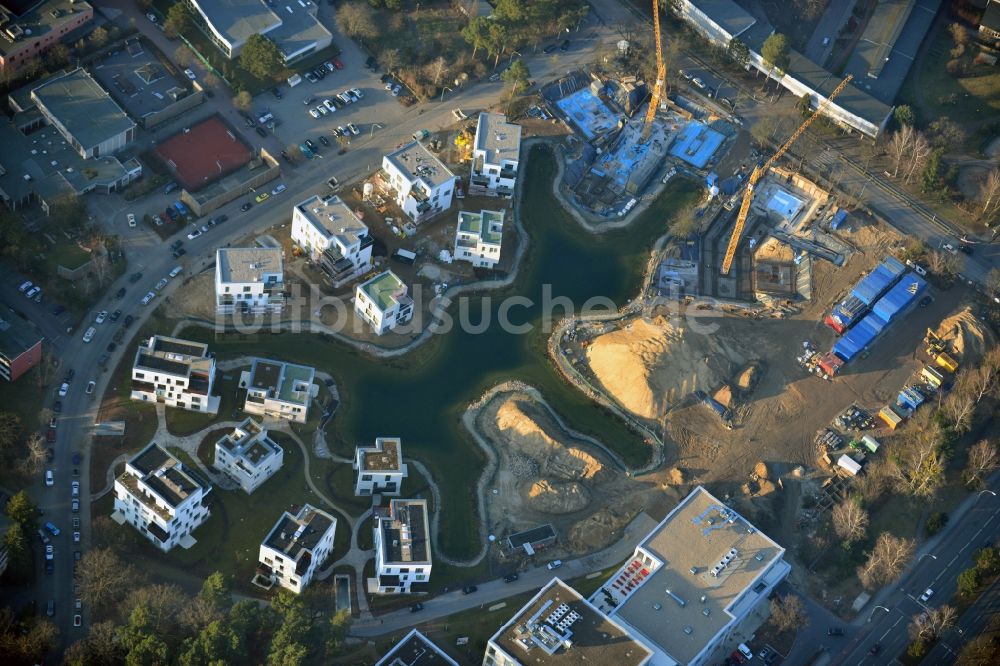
(416,650)
(402,547)
(176,372)
(249,280)
(478,237)
(382,302)
(333,237)
(161,498)
(248,456)
(379,469)
(421,184)
(495,156)
(558,626)
(296,546)
(701,571)
(279,390)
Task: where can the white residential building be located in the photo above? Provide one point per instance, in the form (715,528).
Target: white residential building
(176,372)
(701,571)
(495,156)
(333,237)
(421,184)
(279,390)
(379,469)
(248,455)
(296,546)
(557,627)
(249,279)
(382,302)
(161,498)
(402,547)
(478,237)
(416,650)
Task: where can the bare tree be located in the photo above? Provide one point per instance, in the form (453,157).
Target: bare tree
(874,482)
(917,156)
(899,146)
(357,20)
(45,416)
(917,468)
(34,458)
(182,56)
(104,578)
(243,100)
(941,263)
(850,520)
(100,266)
(46,367)
(886,561)
(437,69)
(989,193)
(982,381)
(931,623)
(983,460)
(788,613)
(389,59)
(960,405)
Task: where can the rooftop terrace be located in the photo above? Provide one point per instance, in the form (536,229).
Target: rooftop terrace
(385,456)
(419,163)
(295,534)
(488,225)
(405,534)
(385,290)
(248,264)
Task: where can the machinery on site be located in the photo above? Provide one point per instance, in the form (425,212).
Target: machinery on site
(660,87)
(937,349)
(761,169)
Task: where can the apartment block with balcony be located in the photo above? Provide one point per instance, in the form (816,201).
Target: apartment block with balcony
(478,237)
(333,237)
(248,456)
(249,280)
(176,372)
(29,29)
(161,498)
(402,547)
(420,183)
(379,469)
(279,390)
(495,156)
(296,546)
(382,302)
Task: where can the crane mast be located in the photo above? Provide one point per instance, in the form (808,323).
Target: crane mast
(661,74)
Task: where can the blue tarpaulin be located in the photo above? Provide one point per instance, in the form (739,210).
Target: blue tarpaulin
(838,219)
(873,285)
(900,297)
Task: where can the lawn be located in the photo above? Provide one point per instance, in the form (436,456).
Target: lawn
(184,422)
(67,254)
(339,485)
(206,450)
(24,398)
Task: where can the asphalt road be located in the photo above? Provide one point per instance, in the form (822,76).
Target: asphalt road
(937,570)
(973,621)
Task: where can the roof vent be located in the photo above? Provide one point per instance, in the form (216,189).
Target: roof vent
(706,612)
(759,556)
(694,570)
(688,630)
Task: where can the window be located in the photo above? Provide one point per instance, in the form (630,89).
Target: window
(366,477)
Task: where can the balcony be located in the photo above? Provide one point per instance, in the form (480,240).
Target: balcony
(198,385)
(143,387)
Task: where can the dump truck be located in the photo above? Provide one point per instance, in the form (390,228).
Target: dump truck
(947,362)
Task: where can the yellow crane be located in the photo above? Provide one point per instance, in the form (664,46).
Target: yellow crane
(659,88)
(759,171)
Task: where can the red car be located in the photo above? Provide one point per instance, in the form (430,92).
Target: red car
(738,657)
(337,63)
(50,436)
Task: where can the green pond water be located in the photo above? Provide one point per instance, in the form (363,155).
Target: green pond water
(421,396)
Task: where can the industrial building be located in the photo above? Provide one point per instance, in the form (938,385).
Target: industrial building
(292,27)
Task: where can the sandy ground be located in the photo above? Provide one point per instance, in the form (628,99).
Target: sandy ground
(967,337)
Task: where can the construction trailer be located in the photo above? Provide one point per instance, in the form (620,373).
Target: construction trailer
(849,464)
(871,443)
(944,360)
(910,398)
(890,417)
(864,295)
(932,376)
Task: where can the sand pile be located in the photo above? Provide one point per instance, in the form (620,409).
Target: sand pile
(651,365)
(558,497)
(748,378)
(515,419)
(968,338)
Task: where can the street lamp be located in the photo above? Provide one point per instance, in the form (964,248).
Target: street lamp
(985,491)
(443,89)
(875,609)
(371,134)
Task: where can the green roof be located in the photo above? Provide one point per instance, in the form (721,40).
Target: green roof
(488,225)
(383,289)
(293,375)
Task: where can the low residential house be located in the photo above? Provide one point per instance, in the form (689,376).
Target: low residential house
(333,237)
(248,456)
(478,237)
(176,372)
(249,280)
(379,469)
(382,302)
(495,156)
(296,547)
(402,547)
(279,390)
(161,498)
(416,650)
(421,184)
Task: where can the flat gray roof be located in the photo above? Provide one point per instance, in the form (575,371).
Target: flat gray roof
(248,264)
(405,533)
(415,650)
(418,163)
(83,107)
(40,19)
(289,25)
(17,335)
(727,14)
(498,138)
(333,218)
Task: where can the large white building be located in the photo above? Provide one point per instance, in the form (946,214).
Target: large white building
(333,237)
(249,279)
(402,547)
(379,469)
(478,237)
(416,650)
(176,372)
(382,302)
(296,546)
(161,498)
(421,184)
(495,156)
(293,27)
(558,627)
(279,390)
(700,572)
(248,456)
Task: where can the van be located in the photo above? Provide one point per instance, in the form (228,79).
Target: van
(177,271)
(89,334)
(420,135)
(170,188)
(294,80)
(404,256)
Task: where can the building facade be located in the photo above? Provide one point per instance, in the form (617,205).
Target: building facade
(379,469)
(249,280)
(161,498)
(416,650)
(478,237)
(279,390)
(296,546)
(176,372)
(382,302)
(20,345)
(333,237)
(248,456)
(420,183)
(26,37)
(495,156)
(402,547)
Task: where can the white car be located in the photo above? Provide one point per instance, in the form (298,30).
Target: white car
(49,479)
(148,297)
(322,110)
(161,284)
(950,248)
(194,234)
(279,189)
(554,564)
(89,334)
(101,316)
(357,93)
(314,113)
(63,390)
(928,593)
(188,73)
(76,537)
(354,130)
(91,385)
(76,488)
(25,286)
(131,220)
(698,82)
(328,103)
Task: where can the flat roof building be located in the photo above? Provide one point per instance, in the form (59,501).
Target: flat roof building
(478,237)
(415,650)
(421,184)
(296,546)
(279,390)
(178,373)
(333,236)
(293,26)
(20,345)
(382,302)
(402,547)
(496,154)
(249,279)
(693,580)
(248,456)
(558,626)
(379,469)
(28,29)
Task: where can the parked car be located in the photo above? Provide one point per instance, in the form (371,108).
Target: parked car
(276,92)
(25,286)
(77,620)
(131,219)
(469,589)
(190,74)
(128,321)
(396,90)
(314,113)
(76,537)
(564,46)
(353,129)
(416,607)
(554,564)
(874,649)
(194,234)
(281,186)
(101,316)
(310,77)
(63,390)
(510,578)
(33,292)
(325,141)
(261,131)
(91,385)
(148,297)
(246,206)
(135,277)
(337,63)
(112,346)
(262,197)
(161,284)
(928,593)
(53,530)
(57,406)
(834,631)
(549,49)
(114,316)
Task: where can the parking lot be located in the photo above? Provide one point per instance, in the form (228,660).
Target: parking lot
(138,81)
(711,85)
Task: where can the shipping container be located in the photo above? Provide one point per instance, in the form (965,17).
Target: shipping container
(849,464)
(891,418)
(838,219)
(871,443)
(900,297)
(875,284)
(830,363)
(847,312)
(932,376)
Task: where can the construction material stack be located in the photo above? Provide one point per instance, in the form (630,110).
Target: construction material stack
(865,294)
(883,313)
